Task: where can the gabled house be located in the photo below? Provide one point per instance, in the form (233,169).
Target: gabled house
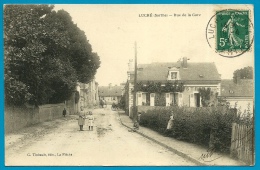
(179,82)
(239,94)
(111,94)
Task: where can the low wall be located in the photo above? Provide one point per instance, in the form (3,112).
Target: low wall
(50,112)
(20,117)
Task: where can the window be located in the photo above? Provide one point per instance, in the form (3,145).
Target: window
(173,75)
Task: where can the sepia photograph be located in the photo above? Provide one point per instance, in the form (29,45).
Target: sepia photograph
(129,85)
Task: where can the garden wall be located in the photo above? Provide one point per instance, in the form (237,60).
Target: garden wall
(20,117)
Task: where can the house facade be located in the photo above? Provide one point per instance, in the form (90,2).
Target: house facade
(86,95)
(111,94)
(167,84)
(239,94)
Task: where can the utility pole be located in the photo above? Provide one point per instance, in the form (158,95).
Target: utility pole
(135,80)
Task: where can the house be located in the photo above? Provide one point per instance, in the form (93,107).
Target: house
(86,95)
(171,83)
(111,94)
(239,94)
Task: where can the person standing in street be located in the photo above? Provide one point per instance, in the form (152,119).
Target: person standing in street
(90,121)
(82,117)
(137,122)
(64,112)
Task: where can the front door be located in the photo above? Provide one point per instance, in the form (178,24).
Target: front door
(197,99)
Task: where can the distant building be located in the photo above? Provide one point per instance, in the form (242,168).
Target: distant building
(111,94)
(240,94)
(86,95)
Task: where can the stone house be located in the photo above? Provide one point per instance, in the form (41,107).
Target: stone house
(171,83)
(87,94)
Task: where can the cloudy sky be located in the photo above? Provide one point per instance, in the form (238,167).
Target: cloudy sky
(113,29)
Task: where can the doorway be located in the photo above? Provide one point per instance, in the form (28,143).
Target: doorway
(197,99)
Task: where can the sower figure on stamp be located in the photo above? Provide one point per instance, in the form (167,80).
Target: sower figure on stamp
(82,117)
(90,121)
(230,28)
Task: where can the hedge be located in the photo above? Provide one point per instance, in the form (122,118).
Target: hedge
(210,127)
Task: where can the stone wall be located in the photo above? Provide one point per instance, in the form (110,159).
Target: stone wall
(20,117)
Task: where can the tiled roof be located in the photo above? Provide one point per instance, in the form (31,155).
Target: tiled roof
(106,91)
(195,73)
(244,88)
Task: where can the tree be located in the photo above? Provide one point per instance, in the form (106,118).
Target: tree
(24,35)
(45,55)
(79,52)
(243,73)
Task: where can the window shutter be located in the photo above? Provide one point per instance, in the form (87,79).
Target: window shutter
(180,99)
(167,99)
(192,103)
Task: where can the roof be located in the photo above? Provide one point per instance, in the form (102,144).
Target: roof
(244,88)
(109,91)
(195,73)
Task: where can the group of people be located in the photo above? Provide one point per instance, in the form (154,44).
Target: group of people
(90,118)
(83,116)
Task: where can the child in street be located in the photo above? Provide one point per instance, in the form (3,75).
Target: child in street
(90,121)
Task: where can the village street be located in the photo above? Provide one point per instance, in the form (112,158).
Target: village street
(109,144)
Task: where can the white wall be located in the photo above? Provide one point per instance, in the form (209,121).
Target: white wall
(242,104)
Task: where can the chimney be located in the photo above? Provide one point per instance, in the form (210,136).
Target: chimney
(185,62)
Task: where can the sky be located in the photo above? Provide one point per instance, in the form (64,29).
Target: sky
(112,31)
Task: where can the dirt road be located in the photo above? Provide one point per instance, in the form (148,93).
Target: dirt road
(108,144)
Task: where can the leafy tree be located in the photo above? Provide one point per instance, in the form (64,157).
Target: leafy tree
(24,29)
(45,55)
(243,73)
(79,52)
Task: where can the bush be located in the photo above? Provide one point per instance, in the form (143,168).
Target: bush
(203,126)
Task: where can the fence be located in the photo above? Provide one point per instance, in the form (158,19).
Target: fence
(242,143)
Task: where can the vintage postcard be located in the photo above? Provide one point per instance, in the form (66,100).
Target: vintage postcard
(129,85)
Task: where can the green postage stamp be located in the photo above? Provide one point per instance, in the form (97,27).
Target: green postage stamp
(230,32)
